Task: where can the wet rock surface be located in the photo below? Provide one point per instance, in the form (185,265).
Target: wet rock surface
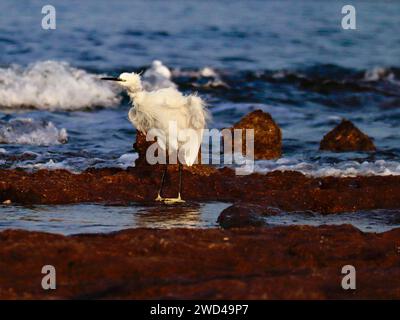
(288,191)
(267,135)
(253,263)
(140,147)
(245,215)
(346,137)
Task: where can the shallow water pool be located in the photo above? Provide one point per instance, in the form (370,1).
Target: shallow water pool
(98,218)
(366,221)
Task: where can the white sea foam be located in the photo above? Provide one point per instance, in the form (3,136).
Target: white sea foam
(49,165)
(74,164)
(340,169)
(214,79)
(127,160)
(32,132)
(346,168)
(51,85)
(379,73)
(158,76)
(206,72)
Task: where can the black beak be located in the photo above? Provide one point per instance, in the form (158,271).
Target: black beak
(111,79)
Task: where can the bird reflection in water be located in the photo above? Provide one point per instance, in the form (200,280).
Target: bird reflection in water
(186,215)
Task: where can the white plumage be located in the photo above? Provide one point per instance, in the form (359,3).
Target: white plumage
(157,110)
(164,107)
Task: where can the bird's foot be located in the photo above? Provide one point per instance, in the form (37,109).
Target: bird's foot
(159,198)
(174,200)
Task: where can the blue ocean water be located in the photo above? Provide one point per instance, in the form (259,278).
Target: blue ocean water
(290,58)
(238,35)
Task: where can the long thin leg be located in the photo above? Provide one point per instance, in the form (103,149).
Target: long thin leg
(159,198)
(180,181)
(178,199)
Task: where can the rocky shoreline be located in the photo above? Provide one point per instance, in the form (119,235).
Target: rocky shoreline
(245,259)
(287,191)
(263,263)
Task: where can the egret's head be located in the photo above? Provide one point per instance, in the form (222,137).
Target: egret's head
(130,81)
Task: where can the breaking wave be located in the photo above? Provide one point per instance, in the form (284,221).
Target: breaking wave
(127,160)
(32,162)
(379,74)
(51,85)
(31,132)
(157,76)
(204,78)
(341,169)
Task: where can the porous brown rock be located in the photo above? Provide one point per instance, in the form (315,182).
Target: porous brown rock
(295,262)
(288,191)
(267,135)
(346,137)
(140,147)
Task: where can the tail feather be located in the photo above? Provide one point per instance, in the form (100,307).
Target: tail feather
(198,118)
(198,114)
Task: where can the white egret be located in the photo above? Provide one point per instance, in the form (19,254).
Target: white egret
(156,110)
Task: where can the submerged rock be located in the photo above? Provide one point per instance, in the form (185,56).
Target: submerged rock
(245,215)
(346,137)
(267,135)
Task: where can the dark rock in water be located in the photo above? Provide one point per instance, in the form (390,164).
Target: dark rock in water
(241,216)
(245,215)
(267,134)
(346,137)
